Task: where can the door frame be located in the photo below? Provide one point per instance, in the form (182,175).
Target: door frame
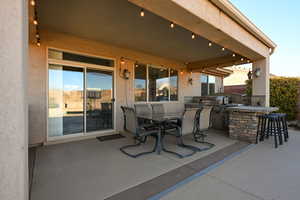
(84,66)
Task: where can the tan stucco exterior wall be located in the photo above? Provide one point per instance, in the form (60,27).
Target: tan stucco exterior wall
(37,88)
(13,101)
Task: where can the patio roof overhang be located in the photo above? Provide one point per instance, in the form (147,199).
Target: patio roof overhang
(118,23)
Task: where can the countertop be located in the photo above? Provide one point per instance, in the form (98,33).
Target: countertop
(253,109)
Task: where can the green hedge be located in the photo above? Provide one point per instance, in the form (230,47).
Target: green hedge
(283,94)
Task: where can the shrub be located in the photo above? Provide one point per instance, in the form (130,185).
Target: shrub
(284,93)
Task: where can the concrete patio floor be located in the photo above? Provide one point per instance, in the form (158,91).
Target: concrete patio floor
(95,170)
(260,173)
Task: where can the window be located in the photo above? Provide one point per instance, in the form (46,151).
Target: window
(61,55)
(140,83)
(161,84)
(208,85)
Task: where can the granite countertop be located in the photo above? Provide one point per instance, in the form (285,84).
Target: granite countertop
(253,109)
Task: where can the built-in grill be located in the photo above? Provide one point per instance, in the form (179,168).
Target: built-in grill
(219,113)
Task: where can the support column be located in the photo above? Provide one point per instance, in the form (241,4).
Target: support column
(261,83)
(13,106)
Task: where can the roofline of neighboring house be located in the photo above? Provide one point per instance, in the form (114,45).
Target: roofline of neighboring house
(228,8)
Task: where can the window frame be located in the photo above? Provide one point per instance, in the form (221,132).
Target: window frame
(208,83)
(147,84)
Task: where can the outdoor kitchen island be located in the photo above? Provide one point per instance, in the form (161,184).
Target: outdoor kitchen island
(243,121)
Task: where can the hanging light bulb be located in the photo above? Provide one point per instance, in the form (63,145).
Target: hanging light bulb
(172,25)
(233,55)
(35,22)
(210,44)
(32,2)
(248,61)
(142,13)
(37,35)
(242,59)
(38,42)
(223,48)
(193,36)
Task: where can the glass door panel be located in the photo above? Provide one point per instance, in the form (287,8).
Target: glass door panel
(99,100)
(65,100)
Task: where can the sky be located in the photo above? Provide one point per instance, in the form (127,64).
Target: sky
(280,21)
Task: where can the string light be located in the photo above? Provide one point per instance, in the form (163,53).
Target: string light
(172,25)
(38,43)
(223,48)
(193,36)
(35,22)
(142,13)
(233,55)
(248,61)
(242,59)
(181,72)
(209,44)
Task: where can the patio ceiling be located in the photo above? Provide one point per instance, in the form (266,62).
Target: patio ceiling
(118,22)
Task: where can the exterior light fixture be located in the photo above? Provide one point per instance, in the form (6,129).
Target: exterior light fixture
(122,61)
(257,72)
(172,25)
(193,36)
(142,13)
(126,74)
(249,75)
(190,81)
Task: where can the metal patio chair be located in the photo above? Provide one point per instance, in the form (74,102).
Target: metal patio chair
(158,108)
(143,109)
(140,133)
(200,134)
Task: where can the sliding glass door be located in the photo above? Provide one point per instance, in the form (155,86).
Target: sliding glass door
(99,100)
(80,100)
(66,100)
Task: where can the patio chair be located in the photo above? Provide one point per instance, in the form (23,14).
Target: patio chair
(158,108)
(124,117)
(200,130)
(143,109)
(140,133)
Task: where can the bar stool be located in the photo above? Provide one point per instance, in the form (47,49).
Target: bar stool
(273,124)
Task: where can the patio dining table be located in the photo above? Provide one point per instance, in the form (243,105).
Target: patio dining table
(163,120)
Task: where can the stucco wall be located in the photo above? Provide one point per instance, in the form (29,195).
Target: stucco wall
(13,100)
(37,88)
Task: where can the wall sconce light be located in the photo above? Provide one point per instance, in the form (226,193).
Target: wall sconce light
(126,74)
(190,81)
(257,72)
(249,75)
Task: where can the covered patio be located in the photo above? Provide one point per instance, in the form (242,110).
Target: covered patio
(72,64)
(91,169)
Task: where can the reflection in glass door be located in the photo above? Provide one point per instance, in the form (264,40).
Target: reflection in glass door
(65,100)
(99,96)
